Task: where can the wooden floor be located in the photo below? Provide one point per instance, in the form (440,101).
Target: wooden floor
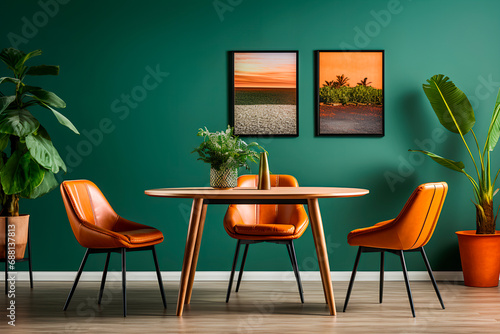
(272,307)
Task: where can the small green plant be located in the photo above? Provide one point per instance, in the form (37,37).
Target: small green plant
(224,150)
(455,113)
(28,171)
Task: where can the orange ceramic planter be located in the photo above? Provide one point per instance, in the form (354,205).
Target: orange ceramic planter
(480,256)
(20,236)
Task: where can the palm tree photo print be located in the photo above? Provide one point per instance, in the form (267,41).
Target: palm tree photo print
(351,93)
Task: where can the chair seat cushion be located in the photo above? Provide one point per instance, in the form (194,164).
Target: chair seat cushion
(264,229)
(142,236)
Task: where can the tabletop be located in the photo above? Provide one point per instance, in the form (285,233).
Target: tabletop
(254,193)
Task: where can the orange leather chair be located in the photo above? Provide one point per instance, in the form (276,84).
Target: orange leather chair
(410,231)
(98,228)
(250,224)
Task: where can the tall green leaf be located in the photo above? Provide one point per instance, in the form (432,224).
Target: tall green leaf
(457,166)
(43,70)
(61,118)
(5,101)
(48,184)
(43,151)
(18,122)
(47,97)
(494,130)
(20,173)
(451,105)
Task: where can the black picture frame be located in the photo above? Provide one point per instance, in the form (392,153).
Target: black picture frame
(320,128)
(285,94)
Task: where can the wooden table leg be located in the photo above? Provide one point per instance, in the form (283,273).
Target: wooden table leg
(195,254)
(319,241)
(323,281)
(194,223)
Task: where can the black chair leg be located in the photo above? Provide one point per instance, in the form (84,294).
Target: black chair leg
(6,255)
(6,270)
(293,258)
(381,289)
(124,280)
(407,282)
(242,267)
(353,276)
(429,270)
(158,275)
(29,259)
(103,281)
(76,280)
(231,278)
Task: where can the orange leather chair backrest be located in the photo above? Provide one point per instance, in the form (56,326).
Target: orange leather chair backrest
(86,206)
(415,224)
(266,213)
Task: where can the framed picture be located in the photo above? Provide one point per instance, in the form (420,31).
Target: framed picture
(263,93)
(349,93)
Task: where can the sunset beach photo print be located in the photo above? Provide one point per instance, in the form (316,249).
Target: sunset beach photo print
(263,93)
(350,93)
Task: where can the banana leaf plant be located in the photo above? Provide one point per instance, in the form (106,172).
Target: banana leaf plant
(455,113)
(28,171)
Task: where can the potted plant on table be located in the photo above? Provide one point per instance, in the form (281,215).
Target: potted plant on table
(28,170)
(225,153)
(479,249)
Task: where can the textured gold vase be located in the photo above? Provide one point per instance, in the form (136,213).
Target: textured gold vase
(264,178)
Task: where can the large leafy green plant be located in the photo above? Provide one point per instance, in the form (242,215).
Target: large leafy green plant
(223,150)
(454,111)
(28,171)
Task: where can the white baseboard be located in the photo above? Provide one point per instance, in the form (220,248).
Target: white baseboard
(207,276)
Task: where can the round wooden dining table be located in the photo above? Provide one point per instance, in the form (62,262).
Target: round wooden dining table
(203,196)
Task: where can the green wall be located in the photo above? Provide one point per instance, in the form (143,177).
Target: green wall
(105,47)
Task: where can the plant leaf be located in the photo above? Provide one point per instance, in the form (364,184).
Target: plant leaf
(20,62)
(5,101)
(43,70)
(451,105)
(27,89)
(8,79)
(3,159)
(47,97)
(61,118)
(494,131)
(11,57)
(20,173)
(4,141)
(48,184)
(43,151)
(457,166)
(18,122)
